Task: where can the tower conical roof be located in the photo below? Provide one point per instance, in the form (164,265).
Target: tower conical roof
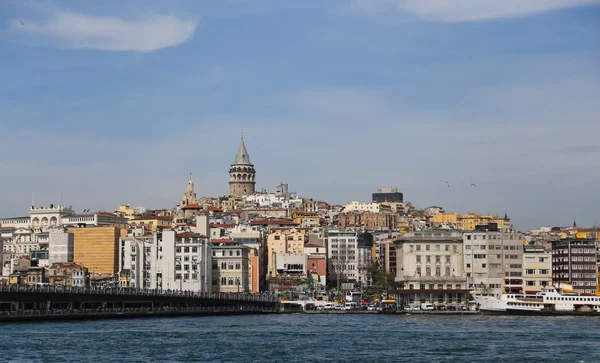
(242,157)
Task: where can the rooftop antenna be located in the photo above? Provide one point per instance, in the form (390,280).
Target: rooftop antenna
(33,199)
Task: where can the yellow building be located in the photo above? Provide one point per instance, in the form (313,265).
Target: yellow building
(537,269)
(283,241)
(126,212)
(445,218)
(311,220)
(152,223)
(96,248)
(469,221)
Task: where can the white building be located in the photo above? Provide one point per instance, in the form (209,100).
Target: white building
(93,219)
(43,218)
(138,256)
(494,260)
(272,200)
(342,258)
(429,267)
(291,264)
(167,260)
(355,206)
(433,210)
(186,261)
(60,245)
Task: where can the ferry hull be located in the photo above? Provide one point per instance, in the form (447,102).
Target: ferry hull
(540,312)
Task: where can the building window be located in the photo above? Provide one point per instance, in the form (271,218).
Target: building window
(223,280)
(428,271)
(447,271)
(437,271)
(277,238)
(418,271)
(427,247)
(418,247)
(418,258)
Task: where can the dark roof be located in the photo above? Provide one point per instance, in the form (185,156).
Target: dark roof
(189,235)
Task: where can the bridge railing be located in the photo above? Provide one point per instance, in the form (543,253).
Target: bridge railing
(112,311)
(256,297)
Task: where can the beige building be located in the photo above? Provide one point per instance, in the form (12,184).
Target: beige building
(230,268)
(281,242)
(537,269)
(494,260)
(96,248)
(429,267)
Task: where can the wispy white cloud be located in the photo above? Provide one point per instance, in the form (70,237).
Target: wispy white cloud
(67,29)
(454,11)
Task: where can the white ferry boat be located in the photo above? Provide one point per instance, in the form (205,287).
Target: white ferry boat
(557,300)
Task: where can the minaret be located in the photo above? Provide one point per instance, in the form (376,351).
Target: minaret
(242,174)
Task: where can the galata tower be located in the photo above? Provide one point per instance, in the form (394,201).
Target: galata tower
(241,173)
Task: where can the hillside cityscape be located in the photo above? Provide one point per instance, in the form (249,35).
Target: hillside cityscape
(279,242)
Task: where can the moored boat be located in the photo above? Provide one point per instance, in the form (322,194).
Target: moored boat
(551,300)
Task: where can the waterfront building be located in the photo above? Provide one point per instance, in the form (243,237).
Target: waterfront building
(342,258)
(185,260)
(242,175)
(138,262)
(494,260)
(96,248)
(430,267)
(364,258)
(67,274)
(251,237)
(574,261)
(316,262)
(537,268)
(230,267)
(60,246)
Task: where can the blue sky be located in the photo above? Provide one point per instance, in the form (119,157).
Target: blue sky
(114,103)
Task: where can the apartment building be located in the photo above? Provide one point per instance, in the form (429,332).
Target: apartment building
(494,260)
(537,268)
(430,267)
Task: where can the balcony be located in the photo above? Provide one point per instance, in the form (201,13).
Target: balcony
(426,279)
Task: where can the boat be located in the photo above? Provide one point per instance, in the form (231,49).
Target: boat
(551,300)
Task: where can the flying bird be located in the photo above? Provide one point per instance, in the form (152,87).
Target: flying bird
(22,22)
(473,185)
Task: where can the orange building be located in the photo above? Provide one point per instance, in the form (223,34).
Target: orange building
(96,248)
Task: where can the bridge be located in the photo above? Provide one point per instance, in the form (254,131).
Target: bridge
(57,302)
